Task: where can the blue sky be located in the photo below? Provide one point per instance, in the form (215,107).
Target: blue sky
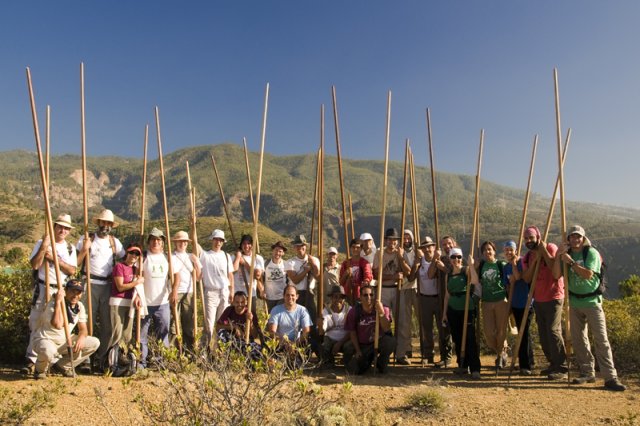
(476,64)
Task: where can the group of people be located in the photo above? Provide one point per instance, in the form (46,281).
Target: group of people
(435,284)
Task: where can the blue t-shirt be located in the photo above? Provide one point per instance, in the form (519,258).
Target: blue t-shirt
(290,324)
(521,289)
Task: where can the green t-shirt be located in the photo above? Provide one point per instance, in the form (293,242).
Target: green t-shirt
(581,286)
(457,287)
(493,289)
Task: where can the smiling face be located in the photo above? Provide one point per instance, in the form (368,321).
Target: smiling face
(60,232)
(181,246)
(530,240)
(240,303)
(246,247)
(216,244)
(156,245)
(489,252)
(366,298)
(447,244)
(509,253)
(301,250)
(72,296)
(576,241)
(290,297)
(277,253)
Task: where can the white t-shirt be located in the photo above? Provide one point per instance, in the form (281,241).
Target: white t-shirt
(370,258)
(334,322)
(275,280)
(296,265)
(216,265)
(46,331)
(409,257)
(238,279)
(62,249)
(184,267)
(156,285)
(428,287)
(101,259)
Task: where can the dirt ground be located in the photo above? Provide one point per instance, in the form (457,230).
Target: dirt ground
(492,400)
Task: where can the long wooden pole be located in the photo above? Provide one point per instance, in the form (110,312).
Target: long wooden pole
(320,298)
(351,219)
(87,259)
(563,217)
(416,243)
(403,217)
(339,154)
(47,291)
(250,185)
(463,345)
(382,220)
(433,181)
(49,219)
(197,250)
(534,280)
(224,201)
(174,308)
(255,222)
(141,233)
(315,204)
(194,241)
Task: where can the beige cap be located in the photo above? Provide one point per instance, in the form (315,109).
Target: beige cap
(64,220)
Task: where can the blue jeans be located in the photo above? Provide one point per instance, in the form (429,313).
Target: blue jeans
(161,317)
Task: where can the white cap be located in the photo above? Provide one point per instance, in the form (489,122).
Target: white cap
(333,250)
(366,236)
(455,251)
(217,233)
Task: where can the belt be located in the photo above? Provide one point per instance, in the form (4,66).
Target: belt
(99,278)
(429,295)
(50,284)
(390,286)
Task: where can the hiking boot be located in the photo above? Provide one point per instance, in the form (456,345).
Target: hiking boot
(28,368)
(403,361)
(614,385)
(64,372)
(40,376)
(558,375)
(441,364)
(84,368)
(476,375)
(461,370)
(504,360)
(547,371)
(584,378)
(525,372)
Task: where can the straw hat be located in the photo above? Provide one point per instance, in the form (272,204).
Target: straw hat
(181,236)
(64,220)
(107,216)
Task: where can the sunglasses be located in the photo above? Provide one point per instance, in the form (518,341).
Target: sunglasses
(455,256)
(135,253)
(367,295)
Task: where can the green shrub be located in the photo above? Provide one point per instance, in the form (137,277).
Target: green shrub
(630,286)
(426,401)
(623,325)
(15,304)
(13,255)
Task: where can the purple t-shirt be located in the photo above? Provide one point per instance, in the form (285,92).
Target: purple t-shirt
(365,329)
(128,274)
(229,316)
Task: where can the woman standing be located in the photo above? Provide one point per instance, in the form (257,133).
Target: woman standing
(458,278)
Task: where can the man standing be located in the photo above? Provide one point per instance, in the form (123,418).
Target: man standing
(42,253)
(275,277)
(303,271)
(394,268)
(182,291)
(50,341)
(104,250)
(242,269)
(549,299)
(359,351)
(217,276)
(408,303)
(331,274)
(355,273)
(156,291)
(331,325)
(443,263)
(424,268)
(584,266)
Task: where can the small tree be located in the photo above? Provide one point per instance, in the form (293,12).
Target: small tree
(13,255)
(630,286)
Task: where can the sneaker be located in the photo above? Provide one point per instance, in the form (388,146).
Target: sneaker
(504,360)
(476,375)
(64,372)
(40,376)
(28,368)
(546,371)
(584,378)
(525,372)
(84,368)
(614,385)
(403,361)
(558,375)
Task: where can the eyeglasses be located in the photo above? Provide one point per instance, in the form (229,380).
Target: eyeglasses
(367,295)
(455,256)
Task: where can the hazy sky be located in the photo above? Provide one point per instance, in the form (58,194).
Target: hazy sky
(476,64)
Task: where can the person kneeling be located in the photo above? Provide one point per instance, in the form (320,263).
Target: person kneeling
(50,342)
(359,351)
(231,327)
(331,325)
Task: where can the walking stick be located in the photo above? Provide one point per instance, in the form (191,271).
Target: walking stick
(320,300)
(402,227)
(224,202)
(47,291)
(315,203)
(521,233)
(382,219)
(416,231)
(463,345)
(194,238)
(563,216)
(87,259)
(353,229)
(337,129)
(49,220)
(250,185)
(197,248)
(534,279)
(174,308)
(247,329)
(142,213)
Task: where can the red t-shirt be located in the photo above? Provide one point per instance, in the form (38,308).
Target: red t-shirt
(547,288)
(360,272)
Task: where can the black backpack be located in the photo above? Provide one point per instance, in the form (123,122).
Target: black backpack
(120,364)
